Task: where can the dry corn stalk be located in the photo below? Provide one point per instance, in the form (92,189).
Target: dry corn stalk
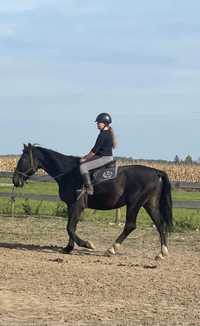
(176,172)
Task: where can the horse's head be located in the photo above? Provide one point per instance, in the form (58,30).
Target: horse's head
(26,166)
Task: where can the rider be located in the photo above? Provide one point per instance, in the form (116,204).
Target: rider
(101,153)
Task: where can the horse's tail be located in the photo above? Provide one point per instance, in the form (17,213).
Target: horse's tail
(166,201)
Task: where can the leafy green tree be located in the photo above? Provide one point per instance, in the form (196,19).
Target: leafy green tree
(188,159)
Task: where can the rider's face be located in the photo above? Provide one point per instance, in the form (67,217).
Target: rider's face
(100,125)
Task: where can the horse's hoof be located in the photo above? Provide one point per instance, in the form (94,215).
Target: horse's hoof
(90,245)
(67,250)
(116,247)
(159,257)
(110,252)
(164,251)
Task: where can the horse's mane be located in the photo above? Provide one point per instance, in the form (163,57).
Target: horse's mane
(63,163)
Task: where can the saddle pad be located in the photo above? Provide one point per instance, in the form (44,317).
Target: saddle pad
(104,173)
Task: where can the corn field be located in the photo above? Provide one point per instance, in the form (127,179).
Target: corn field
(7,163)
(176,172)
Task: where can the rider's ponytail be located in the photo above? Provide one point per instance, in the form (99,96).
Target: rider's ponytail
(114,142)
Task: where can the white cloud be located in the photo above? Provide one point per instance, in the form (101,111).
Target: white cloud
(18,6)
(64,7)
(7,30)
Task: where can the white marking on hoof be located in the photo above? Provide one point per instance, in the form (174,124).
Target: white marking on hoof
(116,246)
(90,245)
(159,257)
(164,250)
(110,252)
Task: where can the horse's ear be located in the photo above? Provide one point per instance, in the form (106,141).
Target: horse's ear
(25,146)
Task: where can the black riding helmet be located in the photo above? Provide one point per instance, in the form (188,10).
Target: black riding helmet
(104,118)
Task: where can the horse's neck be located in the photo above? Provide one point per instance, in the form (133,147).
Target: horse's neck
(56,164)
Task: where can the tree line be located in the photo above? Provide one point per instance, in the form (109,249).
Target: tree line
(177,160)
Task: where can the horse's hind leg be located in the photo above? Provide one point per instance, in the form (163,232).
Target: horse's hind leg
(130,225)
(154,212)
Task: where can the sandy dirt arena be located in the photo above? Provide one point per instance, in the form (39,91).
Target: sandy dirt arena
(41,286)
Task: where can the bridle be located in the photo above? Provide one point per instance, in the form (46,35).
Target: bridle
(32,168)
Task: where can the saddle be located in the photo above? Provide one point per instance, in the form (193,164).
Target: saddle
(99,175)
(104,173)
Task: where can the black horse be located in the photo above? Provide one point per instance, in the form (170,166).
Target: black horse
(135,186)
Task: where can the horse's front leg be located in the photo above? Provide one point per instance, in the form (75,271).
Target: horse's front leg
(74,212)
(69,247)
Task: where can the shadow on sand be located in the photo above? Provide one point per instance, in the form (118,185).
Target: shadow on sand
(49,249)
(30,247)
(77,252)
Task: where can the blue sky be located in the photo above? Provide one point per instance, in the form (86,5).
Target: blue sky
(63,62)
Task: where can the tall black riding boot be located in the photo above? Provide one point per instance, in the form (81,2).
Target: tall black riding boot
(88,184)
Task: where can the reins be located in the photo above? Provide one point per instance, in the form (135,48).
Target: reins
(24,174)
(33,168)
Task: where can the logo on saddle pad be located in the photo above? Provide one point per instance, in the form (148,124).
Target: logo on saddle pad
(104,173)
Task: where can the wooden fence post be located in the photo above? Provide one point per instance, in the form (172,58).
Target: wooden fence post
(13,205)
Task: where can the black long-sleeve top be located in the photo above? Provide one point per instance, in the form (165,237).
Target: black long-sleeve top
(104,144)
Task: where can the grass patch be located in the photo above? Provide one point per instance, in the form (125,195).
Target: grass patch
(184,219)
(33,207)
(33,187)
(185,195)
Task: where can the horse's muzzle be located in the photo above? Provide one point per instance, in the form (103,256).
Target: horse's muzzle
(18,180)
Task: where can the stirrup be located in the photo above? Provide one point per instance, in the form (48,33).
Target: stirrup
(90,191)
(83,191)
(80,193)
